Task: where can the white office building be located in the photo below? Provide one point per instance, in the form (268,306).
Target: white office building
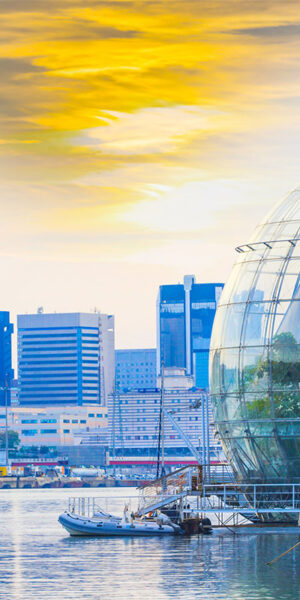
(134,419)
(65,358)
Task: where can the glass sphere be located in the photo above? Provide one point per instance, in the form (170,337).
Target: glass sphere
(255,352)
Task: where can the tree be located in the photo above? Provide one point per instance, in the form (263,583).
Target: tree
(13,440)
(284,367)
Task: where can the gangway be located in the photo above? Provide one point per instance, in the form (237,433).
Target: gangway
(169,489)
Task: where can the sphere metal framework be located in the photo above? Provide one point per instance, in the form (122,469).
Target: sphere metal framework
(255,352)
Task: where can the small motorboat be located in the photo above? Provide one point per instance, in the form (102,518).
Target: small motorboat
(109,525)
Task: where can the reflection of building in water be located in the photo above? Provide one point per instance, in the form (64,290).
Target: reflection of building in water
(254,369)
(216,566)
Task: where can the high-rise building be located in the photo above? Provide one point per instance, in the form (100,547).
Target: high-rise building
(6,371)
(65,358)
(185,315)
(135,369)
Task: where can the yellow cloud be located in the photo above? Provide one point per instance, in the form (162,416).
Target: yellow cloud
(123,95)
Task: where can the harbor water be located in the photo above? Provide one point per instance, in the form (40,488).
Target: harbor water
(39,560)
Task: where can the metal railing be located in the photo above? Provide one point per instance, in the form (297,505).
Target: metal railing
(252,498)
(88,506)
(230,498)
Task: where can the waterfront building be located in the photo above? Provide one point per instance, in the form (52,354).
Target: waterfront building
(135,369)
(185,315)
(133,420)
(56,426)
(65,358)
(6,371)
(255,352)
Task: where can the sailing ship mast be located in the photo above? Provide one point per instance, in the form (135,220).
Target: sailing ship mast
(160,465)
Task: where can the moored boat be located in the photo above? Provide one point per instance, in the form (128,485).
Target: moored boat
(78,525)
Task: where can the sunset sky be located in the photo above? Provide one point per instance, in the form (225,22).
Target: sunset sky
(140,141)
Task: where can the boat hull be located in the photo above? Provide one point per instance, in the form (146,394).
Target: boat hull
(81,526)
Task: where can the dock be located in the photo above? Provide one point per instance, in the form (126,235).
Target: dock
(188,498)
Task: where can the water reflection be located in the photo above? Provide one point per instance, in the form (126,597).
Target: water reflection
(38,559)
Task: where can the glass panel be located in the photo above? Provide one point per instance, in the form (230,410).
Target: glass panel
(256,254)
(285,357)
(279,250)
(214,372)
(287,230)
(219,407)
(235,408)
(258,405)
(244,447)
(287,319)
(286,210)
(232,325)
(245,281)
(290,284)
(255,370)
(269,457)
(267,280)
(229,370)
(256,323)
(265,233)
(264,428)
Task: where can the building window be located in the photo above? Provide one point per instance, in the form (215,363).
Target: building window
(66,430)
(91,415)
(48,421)
(66,421)
(82,420)
(29,421)
(74,420)
(29,432)
(48,431)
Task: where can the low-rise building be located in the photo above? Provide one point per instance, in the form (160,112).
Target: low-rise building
(55,426)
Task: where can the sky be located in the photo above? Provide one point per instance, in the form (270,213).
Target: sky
(140,140)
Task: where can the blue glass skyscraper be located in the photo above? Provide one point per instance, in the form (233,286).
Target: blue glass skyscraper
(6,371)
(185,315)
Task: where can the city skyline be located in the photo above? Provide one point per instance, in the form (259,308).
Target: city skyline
(136,150)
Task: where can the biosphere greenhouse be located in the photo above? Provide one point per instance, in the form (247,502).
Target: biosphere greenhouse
(255,352)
